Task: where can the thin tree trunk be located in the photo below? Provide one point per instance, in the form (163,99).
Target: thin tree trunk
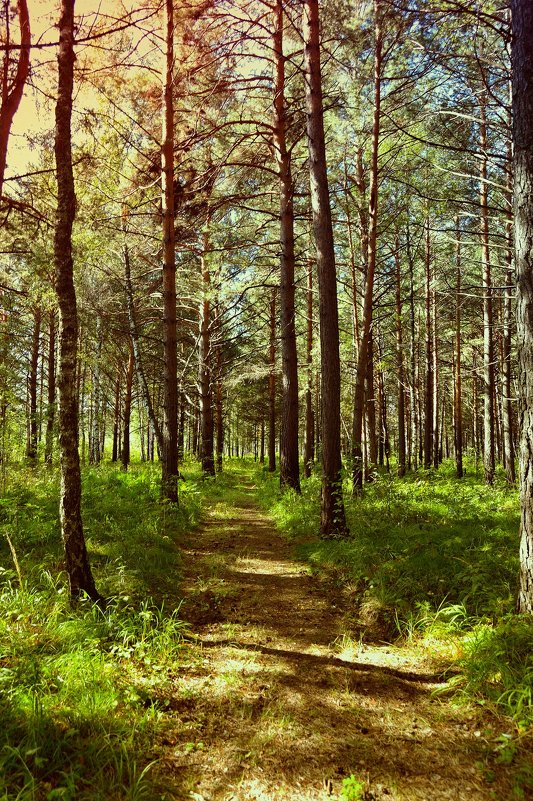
(522,61)
(309,451)
(333,521)
(31,449)
(94,450)
(288,458)
(458,401)
(272,386)
(51,390)
(488,341)
(219,417)
(169,450)
(139,367)
(116,416)
(507,404)
(400,363)
(204,370)
(436,380)
(126,443)
(76,559)
(413,394)
(429,399)
(368,303)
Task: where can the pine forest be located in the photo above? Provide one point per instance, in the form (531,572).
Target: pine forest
(266,400)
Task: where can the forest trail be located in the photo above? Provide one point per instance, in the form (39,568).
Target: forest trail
(268,705)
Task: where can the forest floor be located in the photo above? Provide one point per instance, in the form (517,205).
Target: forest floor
(277,702)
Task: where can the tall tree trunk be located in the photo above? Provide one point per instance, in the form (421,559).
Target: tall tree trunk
(12,92)
(126,440)
(508,302)
(436,380)
(94,451)
(181,425)
(309,449)
(204,370)
(400,362)
(333,520)
(368,302)
(272,386)
(219,417)
(413,394)
(51,389)
(116,416)
(488,340)
(429,399)
(144,389)
(288,457)
(76,559)
(522,60)
(457,396)
(31,449)
(169,455)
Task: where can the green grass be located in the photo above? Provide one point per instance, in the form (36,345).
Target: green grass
(432,556)
(84,692)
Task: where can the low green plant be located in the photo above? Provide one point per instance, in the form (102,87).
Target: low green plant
(353,789)
(84,692)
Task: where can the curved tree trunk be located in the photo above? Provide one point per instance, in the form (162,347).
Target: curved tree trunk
(77,562)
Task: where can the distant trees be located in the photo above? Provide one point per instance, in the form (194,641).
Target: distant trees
(410,281)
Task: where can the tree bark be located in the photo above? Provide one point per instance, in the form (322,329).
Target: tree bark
(116,416)
(12,94)
(522,61)
(204,370)
(272,386)
(363,359)
(31,449)
(219,417)
(94,450)
(139,368)
(125,455)
(77,562)
(169,455)
(400,363)
(288,458)
(309,444)
(429,399)
(488,340)
(457,396)
(51,390)
(413,394)
(333,520)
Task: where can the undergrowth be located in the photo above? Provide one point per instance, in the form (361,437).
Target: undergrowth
(430,559)
(84,692)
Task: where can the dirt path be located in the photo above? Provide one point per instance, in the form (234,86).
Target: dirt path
(270,707)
